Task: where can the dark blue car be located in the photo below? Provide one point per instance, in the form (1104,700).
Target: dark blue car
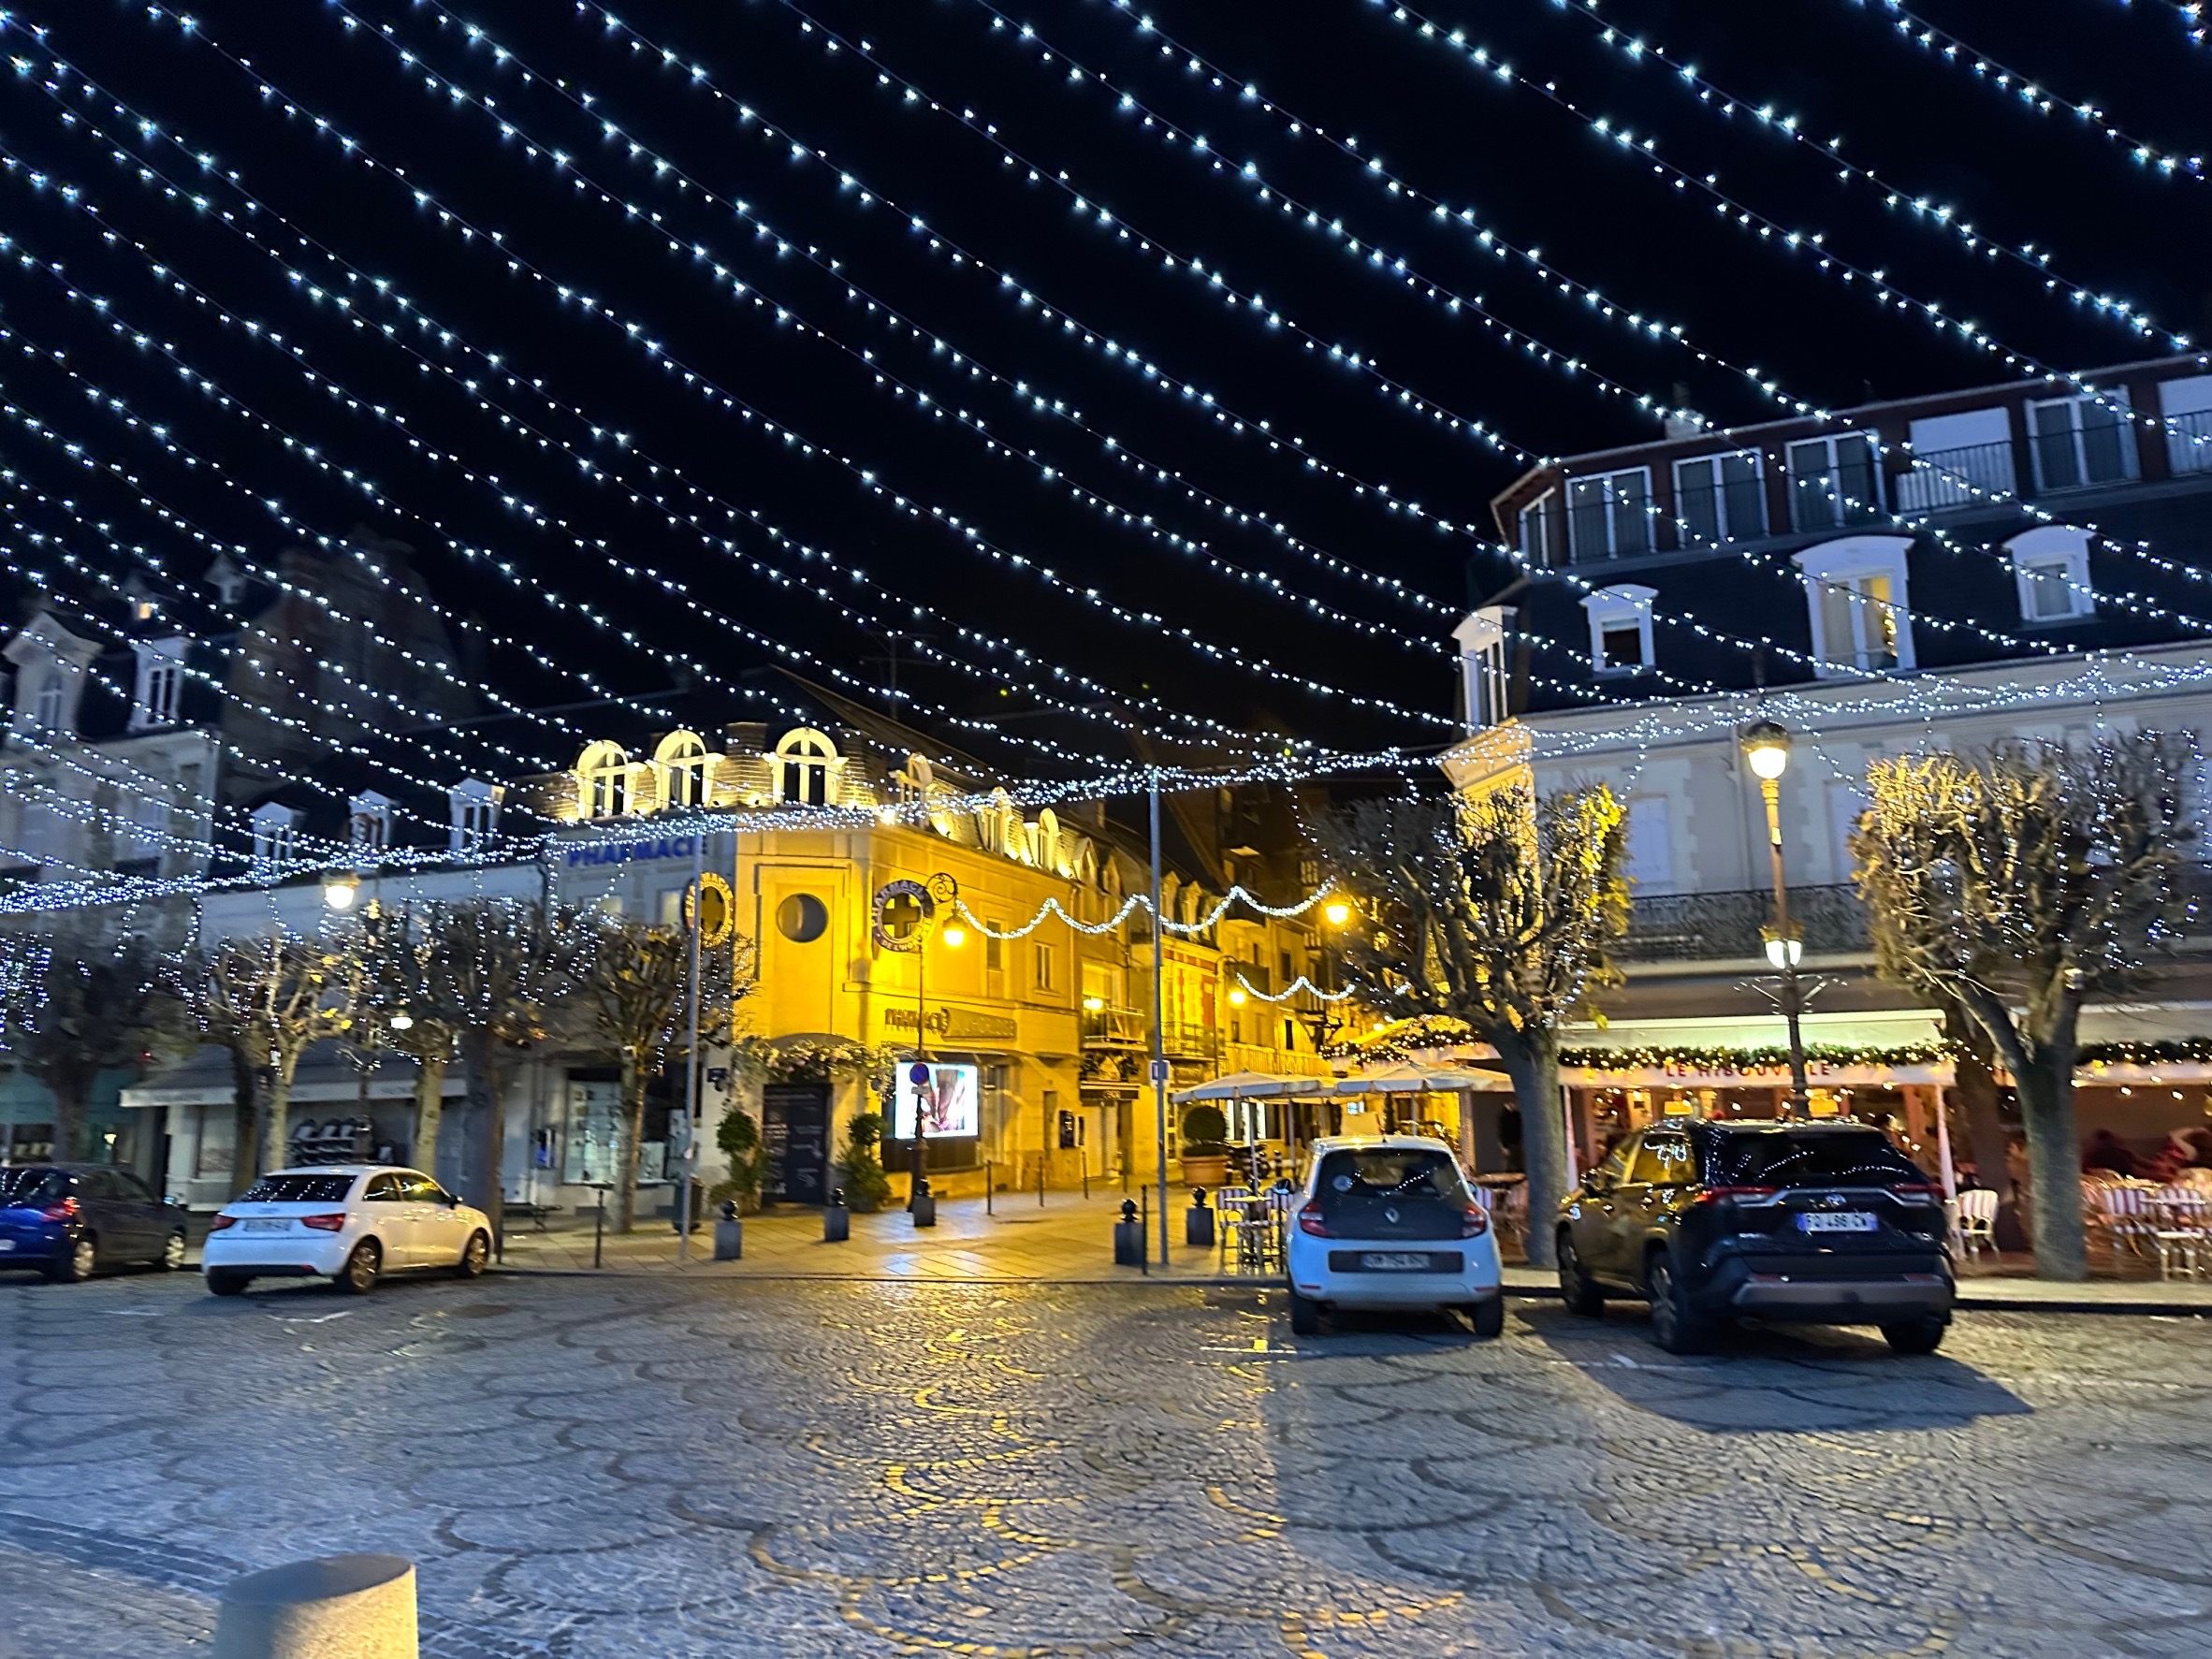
(71,1220)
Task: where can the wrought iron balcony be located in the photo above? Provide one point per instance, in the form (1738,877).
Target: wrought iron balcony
(1726,926)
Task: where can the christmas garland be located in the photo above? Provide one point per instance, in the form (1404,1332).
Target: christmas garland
(1404,1039)
(796,1059)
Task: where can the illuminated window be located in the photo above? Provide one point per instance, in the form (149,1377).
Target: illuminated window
(476,807)
(682,760)
(604,775)
(1855,591)
(805,760)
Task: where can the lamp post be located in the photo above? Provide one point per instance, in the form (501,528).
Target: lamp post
(1766,752)
(1322,1019)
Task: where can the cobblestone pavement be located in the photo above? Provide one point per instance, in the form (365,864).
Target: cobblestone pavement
(587,1469)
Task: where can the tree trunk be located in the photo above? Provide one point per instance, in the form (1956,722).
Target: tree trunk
(1976,1085)
(1531,1059)
(72,1105)
(276,1111)
(245,1114)
(2046,1088)
(634,1105)
(429,1111)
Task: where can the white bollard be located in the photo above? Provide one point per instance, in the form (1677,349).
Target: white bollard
(342,1607)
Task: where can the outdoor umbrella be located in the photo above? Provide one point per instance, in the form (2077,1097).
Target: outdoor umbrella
(1406,1079)
(1250,1085)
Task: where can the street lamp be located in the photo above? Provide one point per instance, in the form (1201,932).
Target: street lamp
(341,888)
(1766,752)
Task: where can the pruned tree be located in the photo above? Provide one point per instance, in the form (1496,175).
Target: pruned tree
(2020,881)
(413,1000)
(637,992)
(266,998)
(1497,913)
(75,1005)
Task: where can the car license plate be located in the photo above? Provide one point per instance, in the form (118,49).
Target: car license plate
(1837,1221)
(6,1244)
(1395,1262)
(267,1226)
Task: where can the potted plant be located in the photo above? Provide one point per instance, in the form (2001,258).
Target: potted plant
(1205,1146)
(860,1168)
(740,1140)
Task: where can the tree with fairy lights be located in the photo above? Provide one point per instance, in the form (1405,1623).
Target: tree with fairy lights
(637,995)
(266,998)
(76,1005)
(2019,881)
(1496,914)
(411,1000)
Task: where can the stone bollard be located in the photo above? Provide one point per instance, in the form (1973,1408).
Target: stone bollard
(837,1221)
(729,1235)
(1198,1221)
(342,1607)
(1129,1237)
(923,1205)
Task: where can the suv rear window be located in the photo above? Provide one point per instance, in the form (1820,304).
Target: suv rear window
(1398,1173)
(1809,1158)
(298,1189)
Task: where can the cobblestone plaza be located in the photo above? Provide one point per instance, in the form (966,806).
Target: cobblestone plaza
(626,1467)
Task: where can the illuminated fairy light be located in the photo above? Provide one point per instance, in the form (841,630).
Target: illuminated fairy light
(1053,908)
(966,534)
(2024,91)
(1297,985)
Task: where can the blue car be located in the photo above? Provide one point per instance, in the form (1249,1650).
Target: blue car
(71,1220)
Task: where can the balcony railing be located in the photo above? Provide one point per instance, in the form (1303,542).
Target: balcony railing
(1728,926)
(1957,478)
(2189,442)
(1131,1028)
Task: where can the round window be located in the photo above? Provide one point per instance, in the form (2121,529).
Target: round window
(802,918)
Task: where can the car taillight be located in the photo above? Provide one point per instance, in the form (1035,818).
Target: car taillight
(331,1223)
(1736,1195)
(1311,1220)
(1916,1192)
(1473,1223)
(220,1222)
(65,1211)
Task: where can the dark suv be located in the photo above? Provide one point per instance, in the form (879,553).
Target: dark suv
(1825,1223)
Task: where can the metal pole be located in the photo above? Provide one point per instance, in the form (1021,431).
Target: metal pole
(920,1172)
(1793,997)
(1159,1029)
(683,1200)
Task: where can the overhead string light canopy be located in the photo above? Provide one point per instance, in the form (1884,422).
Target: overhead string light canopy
(964,535)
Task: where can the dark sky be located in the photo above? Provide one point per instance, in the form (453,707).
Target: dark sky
(1534,173)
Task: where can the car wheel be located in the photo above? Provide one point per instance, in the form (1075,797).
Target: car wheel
(1488,1317)
(1919,1336)
(475,1258)
(1576,1287)
(223,1281)
(1305,1315)
(172,1252)
(359,1277)
(79,1261)
(1675,1327)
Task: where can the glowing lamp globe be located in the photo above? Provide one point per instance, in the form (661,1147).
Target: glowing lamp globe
(1767,750)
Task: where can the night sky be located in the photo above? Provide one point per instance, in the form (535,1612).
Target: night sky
(1533,173)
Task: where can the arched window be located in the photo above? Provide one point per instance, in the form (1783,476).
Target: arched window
(603,776)
(804,761)
(682,760)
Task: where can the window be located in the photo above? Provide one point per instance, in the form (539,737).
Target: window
(1043,960)
(384,1189)
(301,1189)
(1620,628)
(274,829)
(1662,1160)
(149,832)
(1721,497)
(46,707)
(1855,588)
(161,680)
(1650,854)
(603,776)
(476,809)
(1482,667)
(2081,441)
(1833,482)
(2051,564)
(805,761)
(370,819)
(1543,539)
(1610,516)
(682,760)
(994,947)
(2186,406)
(1959,460)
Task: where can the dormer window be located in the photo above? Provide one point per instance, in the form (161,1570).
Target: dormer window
(805,761)
(49,703)
(475,806)
(682,760)
(369,818)
(1484,687)
(1620,628)
(1855,588)
(160,683)
(603,776)
(2051,565)
(276,830)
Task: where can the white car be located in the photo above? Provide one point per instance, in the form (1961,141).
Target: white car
(349,1223)
(1389,1221)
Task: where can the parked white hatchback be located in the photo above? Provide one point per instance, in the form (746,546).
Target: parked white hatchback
(349,1223)
(1389,1221)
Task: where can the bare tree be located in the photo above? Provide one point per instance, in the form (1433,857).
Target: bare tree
(75,1005)
(266,998)
(1497,913)
(2020,881)
(410,992)
(637,990)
